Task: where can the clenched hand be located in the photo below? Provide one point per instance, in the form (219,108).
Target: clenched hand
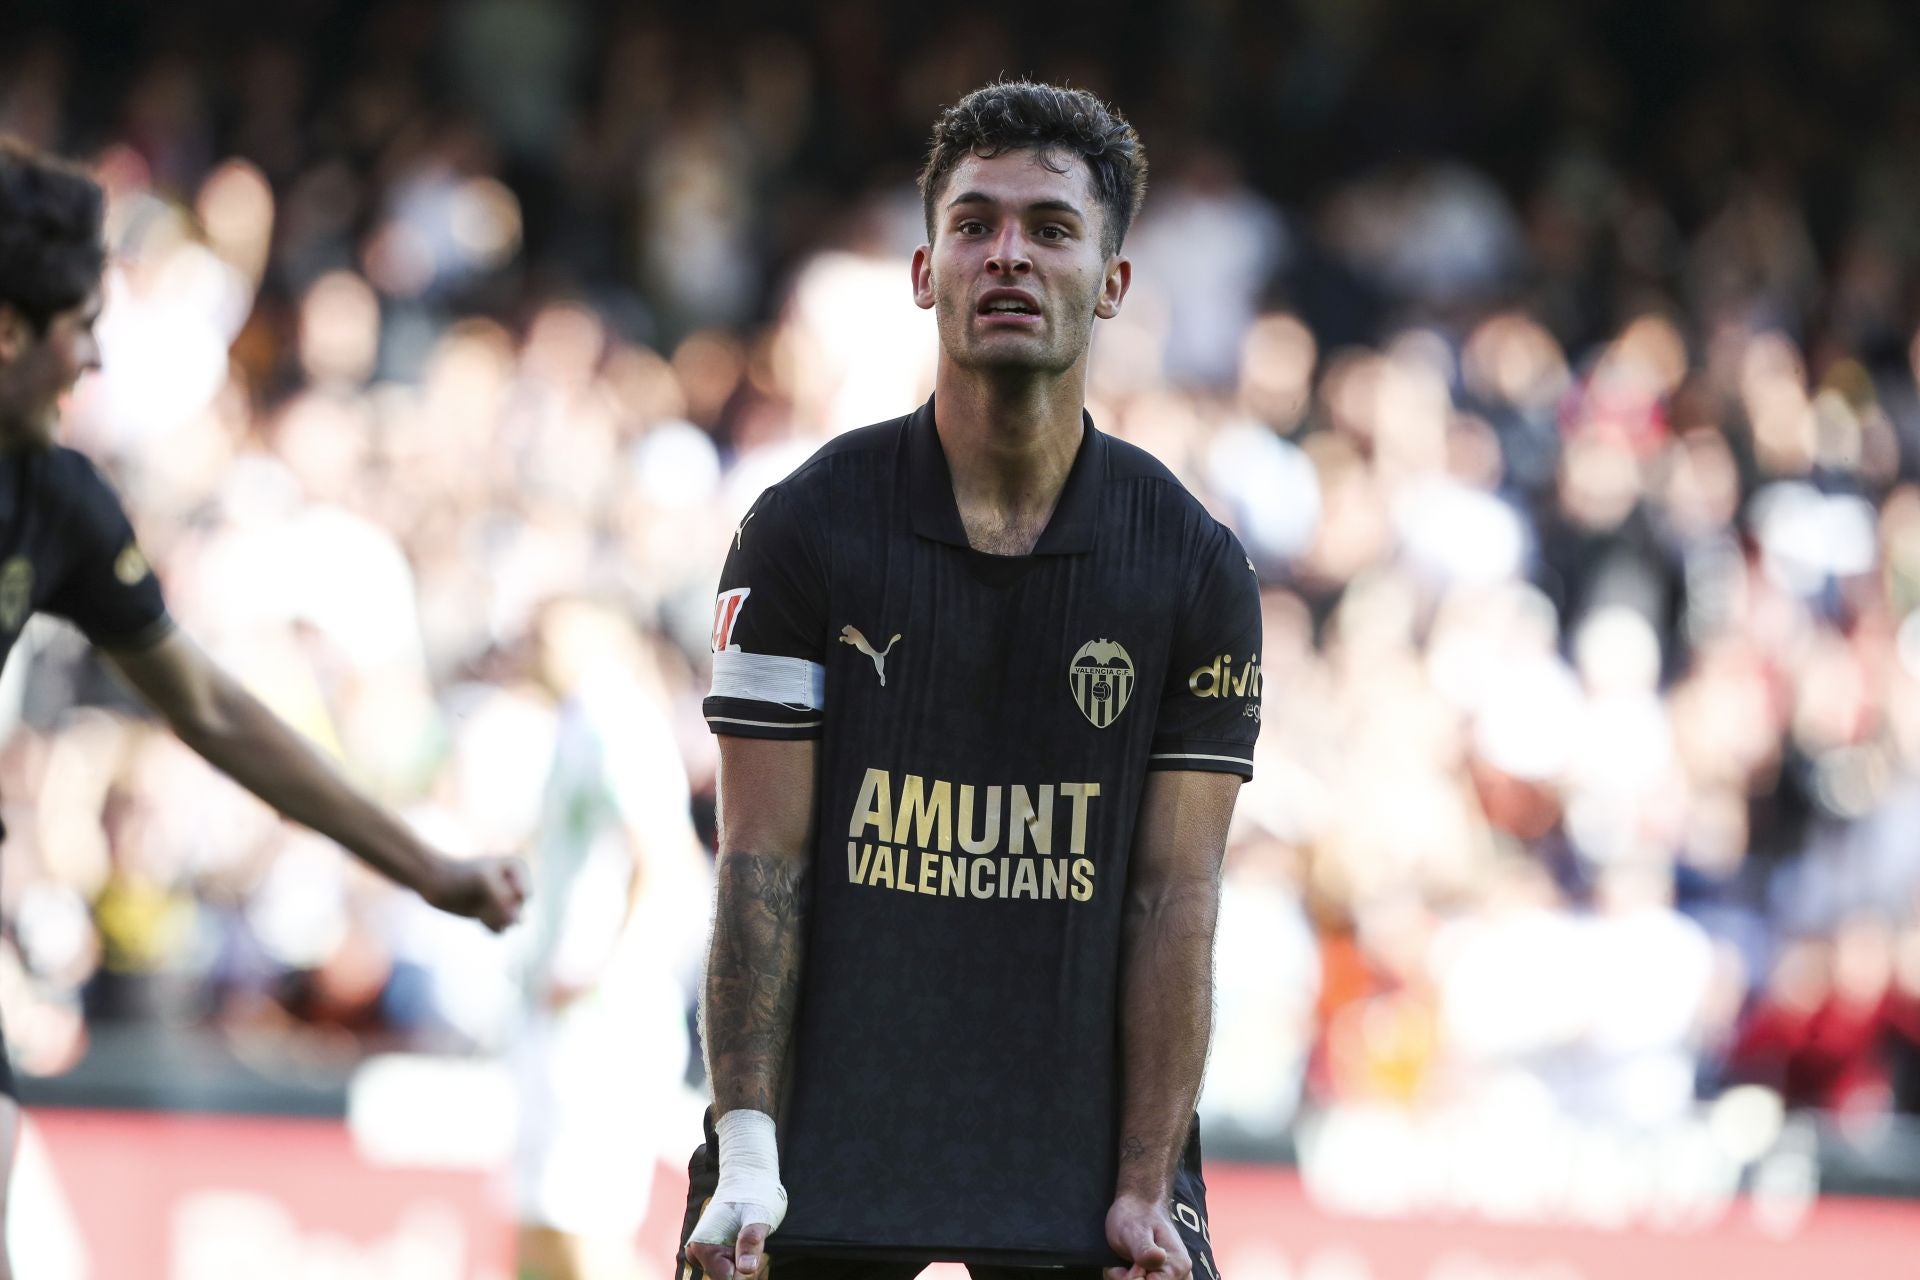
(490,890)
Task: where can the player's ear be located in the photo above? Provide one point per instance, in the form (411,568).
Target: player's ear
(1114,288)
(16,333)
(923,277)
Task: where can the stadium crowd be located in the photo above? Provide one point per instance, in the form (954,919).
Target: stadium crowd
(1573,425)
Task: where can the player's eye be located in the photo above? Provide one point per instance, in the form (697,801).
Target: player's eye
(971,226)
(1053,231)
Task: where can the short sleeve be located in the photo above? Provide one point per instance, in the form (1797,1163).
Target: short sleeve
(106,587)
(769,623)
(1210,708)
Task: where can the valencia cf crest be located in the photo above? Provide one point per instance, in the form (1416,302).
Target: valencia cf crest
(131,565)
(1101,677)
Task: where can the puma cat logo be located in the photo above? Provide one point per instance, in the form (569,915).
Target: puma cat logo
(851,635)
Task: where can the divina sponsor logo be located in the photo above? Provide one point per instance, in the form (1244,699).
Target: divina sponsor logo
(1218,679)
(950,839)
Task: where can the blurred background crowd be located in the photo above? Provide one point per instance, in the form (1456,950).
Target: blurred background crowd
(1556,365)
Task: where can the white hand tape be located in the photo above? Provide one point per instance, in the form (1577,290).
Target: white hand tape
(749,1189)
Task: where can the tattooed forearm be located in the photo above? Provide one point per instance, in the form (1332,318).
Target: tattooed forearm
(753,976)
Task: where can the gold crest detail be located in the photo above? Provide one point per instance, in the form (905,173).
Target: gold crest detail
(1101,677)
(131,566)
(16,593)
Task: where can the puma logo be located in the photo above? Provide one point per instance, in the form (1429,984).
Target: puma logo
(851,635)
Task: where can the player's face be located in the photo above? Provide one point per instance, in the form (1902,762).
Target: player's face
(38,369)
(1016,274)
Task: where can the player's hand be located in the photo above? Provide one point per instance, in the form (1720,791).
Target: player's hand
(1142,1232)
(745,1256)
(490,890)
(747,1203)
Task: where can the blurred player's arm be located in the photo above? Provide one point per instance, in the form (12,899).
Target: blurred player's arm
(1166,991)
(764,886)
(233,731)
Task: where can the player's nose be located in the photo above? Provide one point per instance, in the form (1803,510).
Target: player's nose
(1010,254)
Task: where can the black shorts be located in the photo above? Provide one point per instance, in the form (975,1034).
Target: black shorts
(703,1173)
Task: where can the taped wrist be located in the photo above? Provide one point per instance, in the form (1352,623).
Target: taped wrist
(749,1188)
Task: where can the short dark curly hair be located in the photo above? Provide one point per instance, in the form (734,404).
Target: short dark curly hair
(1054,122)
(52,247)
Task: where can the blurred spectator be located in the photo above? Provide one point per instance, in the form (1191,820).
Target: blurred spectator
(1204,250)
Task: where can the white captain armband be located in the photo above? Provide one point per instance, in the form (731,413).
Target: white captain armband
(766,677)
(749,1189)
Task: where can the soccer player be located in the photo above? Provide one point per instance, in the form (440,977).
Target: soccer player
(612,946)
(66,547)
(986,685)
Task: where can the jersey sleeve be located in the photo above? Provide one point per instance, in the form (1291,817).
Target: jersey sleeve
(106,587)
(769,626)
(1210,708)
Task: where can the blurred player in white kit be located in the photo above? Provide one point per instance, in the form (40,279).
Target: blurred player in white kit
(614,941)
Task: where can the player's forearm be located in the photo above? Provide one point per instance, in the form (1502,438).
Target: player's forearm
(753,976)
(1166,1017)
(258,750)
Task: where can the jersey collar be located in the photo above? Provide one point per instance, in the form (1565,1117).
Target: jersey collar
(1070,530)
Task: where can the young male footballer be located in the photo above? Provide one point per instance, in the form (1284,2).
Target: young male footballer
(974,793)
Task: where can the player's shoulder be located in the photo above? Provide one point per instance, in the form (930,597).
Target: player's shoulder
(1129,464)
(879,438)
(70,476)
(62,463)
(877,442)
(850,454)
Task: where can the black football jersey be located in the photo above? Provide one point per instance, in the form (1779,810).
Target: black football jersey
(66,548)
(986,725)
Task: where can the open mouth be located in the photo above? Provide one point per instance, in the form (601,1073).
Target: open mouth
(1007,305)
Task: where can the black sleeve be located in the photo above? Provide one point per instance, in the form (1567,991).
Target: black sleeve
(769,625)
(105,586)
(1210,707)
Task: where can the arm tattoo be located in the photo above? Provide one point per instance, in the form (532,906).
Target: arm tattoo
(753,976)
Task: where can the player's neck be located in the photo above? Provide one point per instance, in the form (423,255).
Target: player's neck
(1009,444)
